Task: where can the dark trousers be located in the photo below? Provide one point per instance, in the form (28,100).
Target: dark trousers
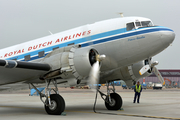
(138,97)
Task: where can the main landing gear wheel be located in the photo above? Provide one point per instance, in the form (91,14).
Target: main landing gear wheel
(116,102)
(57,105)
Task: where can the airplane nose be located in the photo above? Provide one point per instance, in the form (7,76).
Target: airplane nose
(167,36)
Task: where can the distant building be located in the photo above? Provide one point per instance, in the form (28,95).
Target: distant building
(171,76)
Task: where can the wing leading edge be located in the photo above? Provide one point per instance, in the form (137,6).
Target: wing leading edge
(24,65)
(12,71)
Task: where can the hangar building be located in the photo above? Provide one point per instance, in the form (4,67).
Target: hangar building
(171,77)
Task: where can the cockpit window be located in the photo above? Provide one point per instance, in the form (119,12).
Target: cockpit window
(146,23)
(130,26)
(138,24)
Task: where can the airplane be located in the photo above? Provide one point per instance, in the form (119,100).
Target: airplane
(99,53)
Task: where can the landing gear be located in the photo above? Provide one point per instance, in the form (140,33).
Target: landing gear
(57,105)
(113,101)
(116,102)
(54,104)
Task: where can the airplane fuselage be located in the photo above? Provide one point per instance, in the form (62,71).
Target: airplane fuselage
(124,41)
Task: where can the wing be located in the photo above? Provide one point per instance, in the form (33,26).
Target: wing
(12,71)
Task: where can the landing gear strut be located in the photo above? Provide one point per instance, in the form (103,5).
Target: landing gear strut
(54,103)
(113,101)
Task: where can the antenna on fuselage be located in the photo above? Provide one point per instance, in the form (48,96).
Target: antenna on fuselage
(121,14)
(50,32)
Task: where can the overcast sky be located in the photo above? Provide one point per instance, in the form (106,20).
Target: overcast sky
(24,20)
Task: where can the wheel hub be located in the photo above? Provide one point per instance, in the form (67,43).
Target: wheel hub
(112,103)
(53,105)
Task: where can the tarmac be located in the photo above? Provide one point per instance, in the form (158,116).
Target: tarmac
(154,104)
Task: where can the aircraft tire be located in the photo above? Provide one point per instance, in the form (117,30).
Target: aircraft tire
(117,102)
(58,105)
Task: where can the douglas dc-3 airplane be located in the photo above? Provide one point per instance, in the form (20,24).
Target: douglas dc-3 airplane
(101,52)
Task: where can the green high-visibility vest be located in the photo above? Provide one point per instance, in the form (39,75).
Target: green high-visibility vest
(138,89)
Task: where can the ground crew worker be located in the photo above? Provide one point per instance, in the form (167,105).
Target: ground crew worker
(137,90)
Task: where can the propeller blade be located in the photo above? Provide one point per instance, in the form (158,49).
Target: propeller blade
(93,79)
(94,75)
(158,74)
(144,69)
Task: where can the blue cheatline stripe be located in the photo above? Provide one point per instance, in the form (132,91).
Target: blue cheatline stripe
(125,35)
(93,37)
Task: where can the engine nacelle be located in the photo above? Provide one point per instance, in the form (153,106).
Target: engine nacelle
(81,61)
(71,61)
(131,73)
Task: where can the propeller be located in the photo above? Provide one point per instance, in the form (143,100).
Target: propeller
(158,74)
(151,66)
(93,79)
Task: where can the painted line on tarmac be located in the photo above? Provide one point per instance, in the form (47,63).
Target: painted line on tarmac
(140,105)
(159,117)
(132,115)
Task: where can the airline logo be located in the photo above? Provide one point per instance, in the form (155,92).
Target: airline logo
(45,44)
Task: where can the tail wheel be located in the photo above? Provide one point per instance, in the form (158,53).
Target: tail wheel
(116,102)
(57,105)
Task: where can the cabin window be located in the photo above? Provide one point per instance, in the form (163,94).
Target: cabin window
(41,54)
(130,26)
(55,48)
(14,59)
(146,23)
(70,44)
(27,57)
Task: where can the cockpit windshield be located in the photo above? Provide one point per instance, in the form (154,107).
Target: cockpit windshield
(143,24)
(146,23)
(138,24)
